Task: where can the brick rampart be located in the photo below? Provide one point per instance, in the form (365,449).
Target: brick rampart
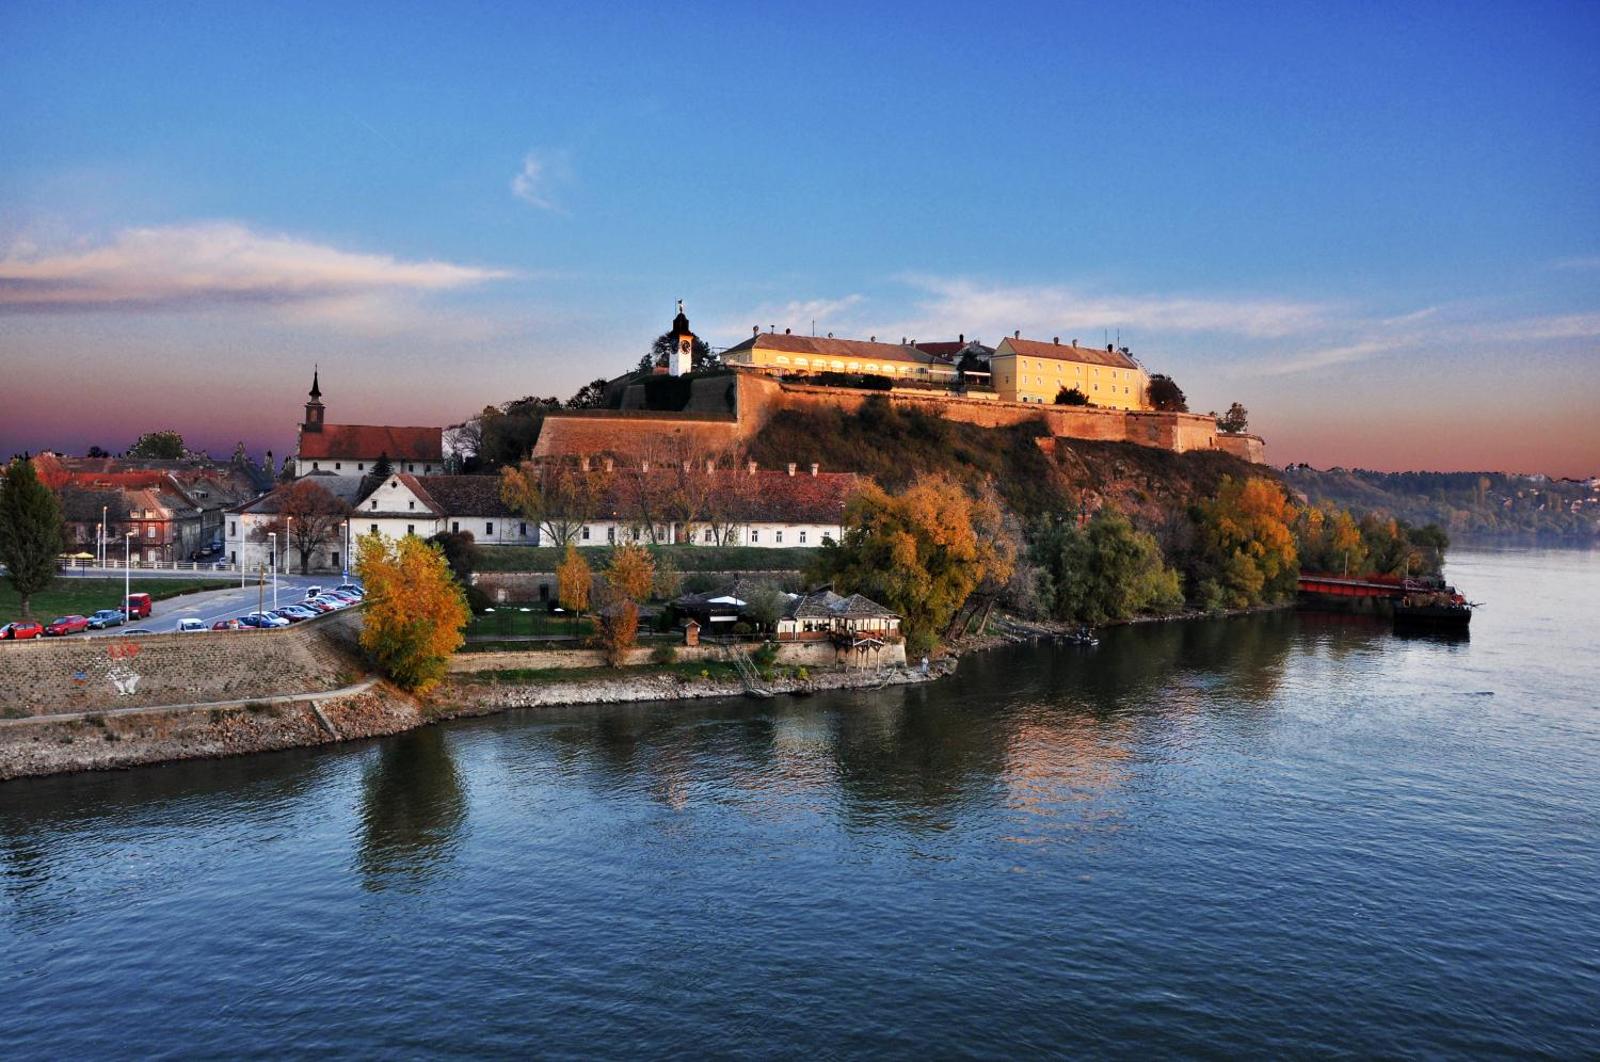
(52,676)
(635,433)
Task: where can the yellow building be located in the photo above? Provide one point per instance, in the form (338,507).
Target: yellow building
(1027,370)
(782,354)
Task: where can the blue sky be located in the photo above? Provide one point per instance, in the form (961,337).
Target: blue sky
(1327,212)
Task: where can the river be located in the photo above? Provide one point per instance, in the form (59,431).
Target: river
(1271,835)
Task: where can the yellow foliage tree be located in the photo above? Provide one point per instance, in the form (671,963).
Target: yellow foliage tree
(618,629)
(572,580)
(631,572)
(415,611)
(1247,539)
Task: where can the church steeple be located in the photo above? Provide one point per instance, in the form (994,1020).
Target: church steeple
(314,408)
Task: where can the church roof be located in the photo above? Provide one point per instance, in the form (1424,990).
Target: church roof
(367,442)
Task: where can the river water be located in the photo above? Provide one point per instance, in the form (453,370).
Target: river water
(1272,835)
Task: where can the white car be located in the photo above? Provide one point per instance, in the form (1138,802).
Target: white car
(189,626)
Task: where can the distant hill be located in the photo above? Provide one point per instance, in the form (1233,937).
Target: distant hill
(1463,503)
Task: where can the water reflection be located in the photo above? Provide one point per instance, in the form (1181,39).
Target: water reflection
(412,810)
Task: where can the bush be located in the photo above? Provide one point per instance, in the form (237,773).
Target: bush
(766,655)
(664,654)
(742,629)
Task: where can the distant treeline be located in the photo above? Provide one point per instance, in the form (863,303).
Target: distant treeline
(1463,503)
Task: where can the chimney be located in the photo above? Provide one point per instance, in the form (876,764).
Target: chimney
(785,331)
(608,464)
(755,330)
(583,463)
(1056,340)
(1074,342)
(686,464)
(1017,334)
(961,337)
(711,466)
(813,468)
(750,467)
(1109,348)
(791,468)
(873,339)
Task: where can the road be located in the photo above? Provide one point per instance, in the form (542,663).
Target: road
(212,605)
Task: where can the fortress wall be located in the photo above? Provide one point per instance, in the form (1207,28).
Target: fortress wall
(635,434)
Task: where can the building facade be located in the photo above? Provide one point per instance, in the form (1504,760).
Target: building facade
(1027,370)
(354,449)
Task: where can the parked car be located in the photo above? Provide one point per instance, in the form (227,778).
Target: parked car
(67,625)
(312,591)
(332,602)
(190,625)
(354,599)
(106,617)
(263,619)
(228,625)
(139,606)
(350,588)
(21,629)
(319,607)
(293,613)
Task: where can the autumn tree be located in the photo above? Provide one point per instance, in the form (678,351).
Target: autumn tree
(164,445)
(1247,548)
(617,630)
(1166,395)
(308,518)
(32,532)
(560,495)
(1328,539)
(630,573)
(1235,420)
(573,579)
(1071,396)
(414,611)
(918,552)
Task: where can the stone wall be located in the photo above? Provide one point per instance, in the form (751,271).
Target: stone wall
(635,433)
(47,676)
(794,654)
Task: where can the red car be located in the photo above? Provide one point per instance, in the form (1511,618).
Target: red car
(67,625)
(21,629)
(228,625)
(138,606)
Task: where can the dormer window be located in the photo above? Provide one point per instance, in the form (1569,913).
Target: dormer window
(411,505)
(374,503)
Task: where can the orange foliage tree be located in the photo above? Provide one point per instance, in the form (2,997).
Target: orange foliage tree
(415,611)
(630,573)
(572,580)
(618,627)
(1249,555)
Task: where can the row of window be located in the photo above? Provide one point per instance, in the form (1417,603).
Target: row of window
(851,366)
(361,466)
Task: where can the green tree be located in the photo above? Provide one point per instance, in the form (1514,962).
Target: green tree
(32,532)
(1235,421)
(764,606)
(1071,396)
(661,353)
(382,468)
(1107,571)
(414,612)
(163,445)
(591,395)
(1166,395)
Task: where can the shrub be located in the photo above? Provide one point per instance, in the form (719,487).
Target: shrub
(664,654)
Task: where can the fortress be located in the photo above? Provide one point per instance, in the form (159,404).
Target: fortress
(662,416)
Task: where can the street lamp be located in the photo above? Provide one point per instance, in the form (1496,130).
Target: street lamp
(103,535)
(127,571)
(288,534)
(274,537)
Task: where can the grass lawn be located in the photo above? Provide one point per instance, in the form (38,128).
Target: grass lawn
(509,621)
(85,597)
(684,558)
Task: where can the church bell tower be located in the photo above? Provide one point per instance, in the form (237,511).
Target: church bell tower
(314,407)
(681,360)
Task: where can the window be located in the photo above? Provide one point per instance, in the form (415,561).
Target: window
(374,504)
(411,529)
(488,529)
(233,558)
(778,536)
(709,537)
(150,531)
(313,466)
(337,465)
(411,505)
(233,530)
(411,468)
(374,529)
(611,534)
(359,468)
(584,534)
(455,526)
(333,558)
(802,538)
(522,530)
(755,536)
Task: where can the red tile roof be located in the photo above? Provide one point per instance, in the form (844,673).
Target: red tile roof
(368,442)
(837,348)
(1033,348)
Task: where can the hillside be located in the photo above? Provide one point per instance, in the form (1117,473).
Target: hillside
(1034,474)
(1474,503)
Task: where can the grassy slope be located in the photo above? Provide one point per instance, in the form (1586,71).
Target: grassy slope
(894,446)
(87,596)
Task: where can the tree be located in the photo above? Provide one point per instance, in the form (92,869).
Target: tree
(1071,396)
(663,346)
(308,518)
(630,573)
(414,612)
(764,606)
(591,395)
(1107,571)
(382,468)
(461,553)
(32,532)
(95,451)
(1235,420)
(559,495)
(164,445)
(1247,548)
(573,579)
(1166,395)
(617,629)
(918,552)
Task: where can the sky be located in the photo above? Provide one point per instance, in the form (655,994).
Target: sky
(1376,226)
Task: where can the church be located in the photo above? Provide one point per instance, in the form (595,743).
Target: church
(352,449)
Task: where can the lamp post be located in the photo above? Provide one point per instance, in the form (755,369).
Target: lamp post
(103,535)
(288,537)
(274,537)
(127,571)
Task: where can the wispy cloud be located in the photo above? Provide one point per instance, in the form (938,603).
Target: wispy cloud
(541,175)
(209,263)
(1579,262)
